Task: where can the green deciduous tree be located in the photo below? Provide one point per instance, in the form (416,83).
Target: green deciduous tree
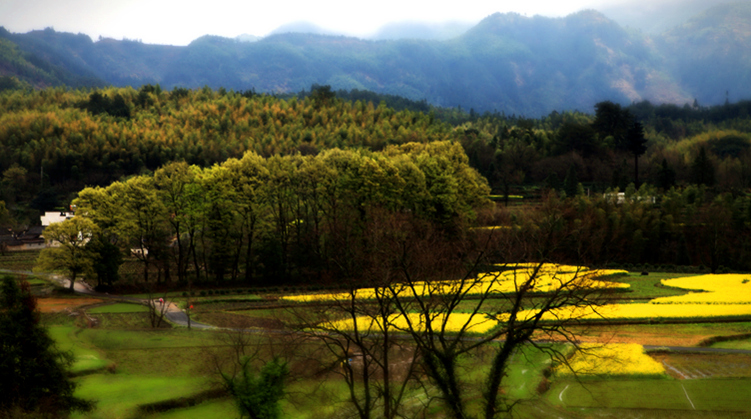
(257,394)
(702,169)
(34,372)
(67,251)
(636,144)
(107,261)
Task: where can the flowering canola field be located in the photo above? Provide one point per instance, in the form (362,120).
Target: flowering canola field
(611,359)
(725,295)
(718,289)
(549,278)
(455,323)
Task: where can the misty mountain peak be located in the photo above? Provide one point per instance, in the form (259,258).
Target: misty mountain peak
(302,27)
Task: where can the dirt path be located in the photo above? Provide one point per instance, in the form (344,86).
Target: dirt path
(173,312)
(695,349)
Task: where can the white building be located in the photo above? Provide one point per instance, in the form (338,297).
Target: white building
(51,217)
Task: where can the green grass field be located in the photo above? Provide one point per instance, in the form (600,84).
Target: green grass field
(744,344)
(118,395)
(119,308)
(86,357)
(710,395)
(19,261)
(648,286)
(123,363)
(222,408)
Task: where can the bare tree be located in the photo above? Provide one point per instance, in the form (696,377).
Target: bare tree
(429,294)
(157,308)
(377,366)
(251,372)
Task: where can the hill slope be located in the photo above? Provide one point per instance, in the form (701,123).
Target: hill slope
(507,62)
(711,53)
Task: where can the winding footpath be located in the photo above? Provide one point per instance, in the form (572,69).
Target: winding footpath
(177,316)
(173,313)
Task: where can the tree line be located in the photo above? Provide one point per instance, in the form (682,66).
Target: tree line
(282,218)
(54,142)
(643,230)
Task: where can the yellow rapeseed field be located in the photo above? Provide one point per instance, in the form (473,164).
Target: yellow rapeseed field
(719,289)
(456,321)
(611,359)
(549,278)
(726,295)
(647,311)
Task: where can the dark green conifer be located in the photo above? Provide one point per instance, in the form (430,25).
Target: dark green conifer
(34,372)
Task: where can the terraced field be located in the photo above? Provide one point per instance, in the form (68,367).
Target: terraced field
(129,366)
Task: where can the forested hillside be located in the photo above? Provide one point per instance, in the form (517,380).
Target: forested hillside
(284,217)
(43,67)
(279,188)
(507,63)
(712,53)
(54,142)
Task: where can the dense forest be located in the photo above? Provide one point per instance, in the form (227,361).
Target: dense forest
(284,218)
(220,184)
(54,142)
(507,63)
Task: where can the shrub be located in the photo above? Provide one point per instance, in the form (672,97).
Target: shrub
(543,386)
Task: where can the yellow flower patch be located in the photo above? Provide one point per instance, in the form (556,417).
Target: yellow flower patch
(549,278)
(645,311)
(719,289)
(455,323)
(611,359)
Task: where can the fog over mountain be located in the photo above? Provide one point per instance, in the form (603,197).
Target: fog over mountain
(655,17)
(506,62)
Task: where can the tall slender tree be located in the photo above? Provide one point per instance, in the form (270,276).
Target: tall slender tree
(636,144)
(34,372)
(67,251)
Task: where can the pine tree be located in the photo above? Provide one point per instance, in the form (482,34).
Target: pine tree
(571,182)
(702,169)
(34,372)
(665,176)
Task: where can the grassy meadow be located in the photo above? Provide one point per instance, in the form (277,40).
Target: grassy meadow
(135,371)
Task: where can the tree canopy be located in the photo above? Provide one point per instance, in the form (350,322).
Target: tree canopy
(34,371)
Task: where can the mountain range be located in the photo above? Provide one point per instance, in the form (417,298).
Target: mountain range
(507,62)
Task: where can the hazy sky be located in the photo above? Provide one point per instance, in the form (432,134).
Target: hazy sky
(178,22)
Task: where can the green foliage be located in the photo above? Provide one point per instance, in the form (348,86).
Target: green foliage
(61,147)
(665,176)
(258,394)
(107,260)
(6,220)
(571,182)
(68,252)
(283,217)
(34,372)
(98,104)
(702,169)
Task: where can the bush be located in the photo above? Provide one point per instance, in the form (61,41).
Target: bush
(543,386)
(35,376)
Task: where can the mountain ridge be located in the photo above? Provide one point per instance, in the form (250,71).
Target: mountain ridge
(506,62)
